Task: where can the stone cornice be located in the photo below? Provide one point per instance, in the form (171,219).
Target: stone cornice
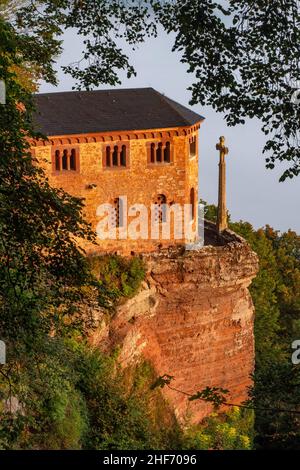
(116,136)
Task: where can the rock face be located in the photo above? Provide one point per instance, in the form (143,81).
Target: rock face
(193,319)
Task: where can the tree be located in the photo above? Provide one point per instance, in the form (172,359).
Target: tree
(100,23)
(245,56)
(275,293)
(42,268)
(276,297)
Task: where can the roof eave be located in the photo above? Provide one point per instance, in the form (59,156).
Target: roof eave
(127,131)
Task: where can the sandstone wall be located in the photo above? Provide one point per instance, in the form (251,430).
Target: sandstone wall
(193,319)
(141,182)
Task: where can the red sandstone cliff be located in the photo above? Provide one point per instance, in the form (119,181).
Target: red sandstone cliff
(193,319)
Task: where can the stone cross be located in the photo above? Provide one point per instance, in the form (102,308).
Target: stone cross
(222,211)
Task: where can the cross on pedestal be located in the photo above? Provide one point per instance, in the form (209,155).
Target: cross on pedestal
(222,211)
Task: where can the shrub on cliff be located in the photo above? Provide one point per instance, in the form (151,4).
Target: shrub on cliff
(118,277)
(71,396)
(229,431)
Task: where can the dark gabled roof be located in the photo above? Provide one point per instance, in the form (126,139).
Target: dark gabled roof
(80,112)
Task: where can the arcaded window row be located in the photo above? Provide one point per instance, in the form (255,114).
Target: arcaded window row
(116,155)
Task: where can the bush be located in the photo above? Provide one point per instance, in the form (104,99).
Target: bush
(74,397)
(232,430)
(118,277)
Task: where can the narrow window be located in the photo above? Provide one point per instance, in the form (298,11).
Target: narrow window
(107,161)
(159,153)
(73,160)
(192,202)
(65,160)
(57,160)
(117,211)
(115,156)
(167,153)
(119,216)
(123,155)
(161,208)
(152,153)
(121,213)
(193,147)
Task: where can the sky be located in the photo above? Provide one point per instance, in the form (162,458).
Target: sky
(253,192)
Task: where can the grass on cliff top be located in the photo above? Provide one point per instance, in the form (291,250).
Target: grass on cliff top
(119,278)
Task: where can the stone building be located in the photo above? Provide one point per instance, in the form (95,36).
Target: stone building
(109,144)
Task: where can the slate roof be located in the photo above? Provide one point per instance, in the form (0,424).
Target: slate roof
(80,112)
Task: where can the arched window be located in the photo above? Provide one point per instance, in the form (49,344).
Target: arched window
(107,155)
(167,152)
(57,160)
(152,153)
(159,153)
(65,160)
(160,208)
(73,160)
(123,156)
(115,156)
(192,202)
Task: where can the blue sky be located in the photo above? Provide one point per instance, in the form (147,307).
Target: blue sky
(253,192)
